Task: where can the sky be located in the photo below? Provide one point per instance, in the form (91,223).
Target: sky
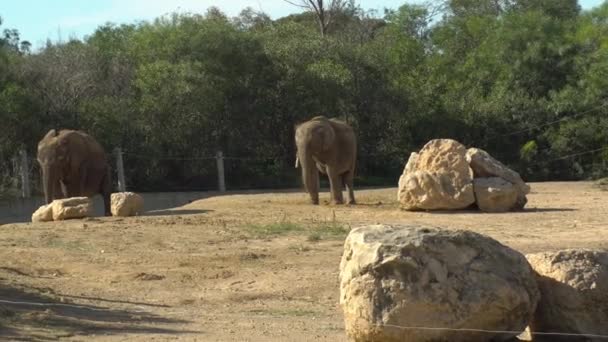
(38,20)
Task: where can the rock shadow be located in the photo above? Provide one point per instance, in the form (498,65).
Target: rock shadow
(479,212)
(176,212)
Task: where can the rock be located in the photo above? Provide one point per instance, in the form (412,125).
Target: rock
(43,214)
(438,177)
(495,195)
(485,166)
(410,276)
(72,208)
(574,293)
(411,164)
(127,204)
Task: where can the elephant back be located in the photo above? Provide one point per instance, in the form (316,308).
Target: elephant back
(72,146)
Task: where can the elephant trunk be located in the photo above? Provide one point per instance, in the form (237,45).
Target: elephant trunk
(48,183)
(310,175)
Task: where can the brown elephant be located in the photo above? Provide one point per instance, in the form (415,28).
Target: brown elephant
(73,164)
(330,146)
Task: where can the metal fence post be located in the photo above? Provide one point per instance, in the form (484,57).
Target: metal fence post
(26,191)
(120,169)
(221,181)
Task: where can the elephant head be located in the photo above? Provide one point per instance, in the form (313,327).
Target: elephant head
(53,156)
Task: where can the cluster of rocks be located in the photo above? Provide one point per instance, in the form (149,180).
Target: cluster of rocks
(123,204)
(413,283)
(64,209)
(444,175)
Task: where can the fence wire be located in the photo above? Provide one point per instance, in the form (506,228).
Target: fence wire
(400,327)
(238,175)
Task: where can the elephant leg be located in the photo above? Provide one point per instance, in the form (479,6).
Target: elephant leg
(348,182)
(313,187)
(335,184)
(310,175)
(58,190)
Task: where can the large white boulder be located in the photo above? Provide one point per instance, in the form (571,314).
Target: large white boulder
(574,293)
(438,177)
(72,208)
(485,166)
(393,278)
(127,204)
(495,195)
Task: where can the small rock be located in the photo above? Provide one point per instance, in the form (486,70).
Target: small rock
(485,166)
(127,204)
(495,195)
(72,208)
(43,214)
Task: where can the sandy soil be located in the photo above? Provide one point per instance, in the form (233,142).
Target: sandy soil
(260,267)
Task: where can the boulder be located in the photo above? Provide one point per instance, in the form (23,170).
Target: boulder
(127,204)
(410,166)
(485,166)
(495,195)
(43,214)
(574,293)
(72,208)
(394,277)
(438,177)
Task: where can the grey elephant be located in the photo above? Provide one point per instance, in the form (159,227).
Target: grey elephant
(329,146)
(73,164)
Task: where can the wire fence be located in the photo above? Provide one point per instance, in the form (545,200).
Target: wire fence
(141,310)
(147,172)
(166,173)
(180,174)
(213,173)
(554,122)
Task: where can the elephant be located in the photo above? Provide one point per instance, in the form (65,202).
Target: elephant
(330,146)
(73,164)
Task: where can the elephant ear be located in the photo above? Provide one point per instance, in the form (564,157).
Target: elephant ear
(63,150)
(47,139)
(51,134)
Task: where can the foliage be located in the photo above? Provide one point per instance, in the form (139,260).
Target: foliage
(523,79)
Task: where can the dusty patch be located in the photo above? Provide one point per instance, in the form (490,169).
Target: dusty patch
(258,267)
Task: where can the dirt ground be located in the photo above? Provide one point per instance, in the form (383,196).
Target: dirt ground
(261,267)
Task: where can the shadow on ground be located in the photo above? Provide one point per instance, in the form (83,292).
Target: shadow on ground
(479,212)
(175,212)
(26,314)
